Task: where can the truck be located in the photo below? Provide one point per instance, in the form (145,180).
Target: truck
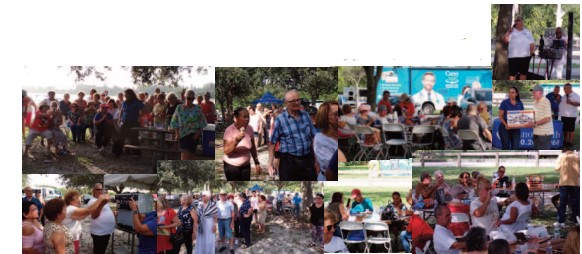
(47,193)
(430,88)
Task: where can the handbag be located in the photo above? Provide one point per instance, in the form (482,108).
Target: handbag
(178,237)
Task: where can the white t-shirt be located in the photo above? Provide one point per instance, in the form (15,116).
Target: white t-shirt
(224,209)
(254,202)
(488,220)
(73,225)
(443,240)
(324,148)
(349,120)
(254,121)
(105,223)
(521,208)
(568,110)
(519,42)
(336,245)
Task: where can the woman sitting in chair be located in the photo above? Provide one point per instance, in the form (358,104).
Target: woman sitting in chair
(518,212)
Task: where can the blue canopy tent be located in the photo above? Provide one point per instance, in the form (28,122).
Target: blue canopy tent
(256,187)
(268,98)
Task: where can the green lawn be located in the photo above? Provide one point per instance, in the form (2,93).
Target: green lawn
(378,195)
(362,167)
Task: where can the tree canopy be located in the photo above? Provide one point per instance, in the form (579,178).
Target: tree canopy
(143,75)
(538,17)
(175,175)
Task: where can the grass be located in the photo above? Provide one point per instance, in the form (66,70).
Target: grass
(378,195)
(362,167)
(452,174)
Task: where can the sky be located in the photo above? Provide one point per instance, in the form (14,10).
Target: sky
(44,179)
(53,76)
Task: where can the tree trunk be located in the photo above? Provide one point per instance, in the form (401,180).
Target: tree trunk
(372,83)
(307,188)
(500,62)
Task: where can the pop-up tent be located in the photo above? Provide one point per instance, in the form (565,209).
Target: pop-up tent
(142,181)
(256,187)
(268,98)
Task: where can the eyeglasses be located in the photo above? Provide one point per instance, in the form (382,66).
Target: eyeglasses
(501,172)
(466,177)
(294,101)
(329,227)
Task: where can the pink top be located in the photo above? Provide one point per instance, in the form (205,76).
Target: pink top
(36,241)
(242,152)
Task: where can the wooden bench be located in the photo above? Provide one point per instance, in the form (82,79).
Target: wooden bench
(155,150)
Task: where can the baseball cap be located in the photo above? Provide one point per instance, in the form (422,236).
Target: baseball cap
(537,88)
(356,193)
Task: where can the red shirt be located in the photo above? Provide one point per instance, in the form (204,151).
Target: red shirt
(163,235)
(387,104)
(40,123)
(209,110)
(418,227)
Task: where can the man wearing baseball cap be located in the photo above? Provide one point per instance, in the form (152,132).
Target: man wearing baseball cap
(360,203)
(543,127)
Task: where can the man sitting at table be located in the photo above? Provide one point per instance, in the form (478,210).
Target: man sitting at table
(484,212)
(418,231)
(382,116)
(472,121)
(425,191)
(385,101)
(440,177)
(444,240)
(360,203)
(499,179)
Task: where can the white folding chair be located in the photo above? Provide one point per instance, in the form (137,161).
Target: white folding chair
(396,129)
(467,135)
(378,228)
(521,222)
(365,149)
(351,226)
(460,217)
(419,131)
(426,249)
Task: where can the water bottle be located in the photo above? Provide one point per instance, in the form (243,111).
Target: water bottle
(395,116)
(504,185)
(549,249)
(518,249)
(513,183)
(557,230)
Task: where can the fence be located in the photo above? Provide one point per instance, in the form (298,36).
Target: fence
(431,156)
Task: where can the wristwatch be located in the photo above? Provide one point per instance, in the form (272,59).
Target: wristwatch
(135,212)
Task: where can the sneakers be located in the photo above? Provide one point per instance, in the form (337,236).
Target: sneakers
(222,249)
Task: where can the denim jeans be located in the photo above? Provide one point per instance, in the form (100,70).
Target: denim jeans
(509,138)
(404,238)
(296,211)
(569,195)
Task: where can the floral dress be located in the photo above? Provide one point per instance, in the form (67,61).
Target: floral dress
(186,219)
(49,229)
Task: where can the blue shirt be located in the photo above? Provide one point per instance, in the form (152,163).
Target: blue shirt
(333,163)
(555,105)
(99,116)
(296,200)
(358,207)
(506,106)
(148,244)
(244,208)
(295,135)
(35,201)
(131,111)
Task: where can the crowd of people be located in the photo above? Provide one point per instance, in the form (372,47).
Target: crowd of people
(302,140)
(111,120)
(549,108)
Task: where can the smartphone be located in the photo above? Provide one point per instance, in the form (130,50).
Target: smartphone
(348,204)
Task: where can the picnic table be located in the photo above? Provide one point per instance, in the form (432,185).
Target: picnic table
(535,245)
(160,143)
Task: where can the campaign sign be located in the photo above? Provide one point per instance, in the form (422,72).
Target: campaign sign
(526,140)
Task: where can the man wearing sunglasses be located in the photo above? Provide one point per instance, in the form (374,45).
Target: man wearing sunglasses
(295,132)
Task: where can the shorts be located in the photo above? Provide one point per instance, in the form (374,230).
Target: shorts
(224,228)
(519,65)
(188,144)
(569,123)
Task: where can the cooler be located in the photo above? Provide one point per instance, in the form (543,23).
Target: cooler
(208,136)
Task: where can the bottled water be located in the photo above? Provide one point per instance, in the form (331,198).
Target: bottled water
(557,230)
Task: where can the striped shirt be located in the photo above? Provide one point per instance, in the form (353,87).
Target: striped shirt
(543,109)
(296,135)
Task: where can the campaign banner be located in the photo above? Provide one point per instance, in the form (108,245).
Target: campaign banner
(396,80)
(526,136)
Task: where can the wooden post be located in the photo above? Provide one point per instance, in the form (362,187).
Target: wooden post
(497,159)
(422,160)
(459,160)
(537,154)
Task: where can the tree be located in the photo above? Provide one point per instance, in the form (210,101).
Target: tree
(575,8)
(500,63)
(142,75)
(184,175)
(307,190)
(281,184)
(320,82)
(25,180)
(80,180)
(372,80)
(231,83)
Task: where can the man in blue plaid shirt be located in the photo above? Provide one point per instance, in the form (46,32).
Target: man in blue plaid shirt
(295,132)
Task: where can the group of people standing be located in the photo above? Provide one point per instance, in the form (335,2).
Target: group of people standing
(301,145)
(115,118)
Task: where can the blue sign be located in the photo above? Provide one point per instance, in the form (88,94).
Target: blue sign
(396,80)
(526,140)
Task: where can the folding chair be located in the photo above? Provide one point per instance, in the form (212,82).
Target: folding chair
(521,222)
(351,226)
(378,227)
(467,135)
(426,249)
(391,128)
(419,132)
(365,149)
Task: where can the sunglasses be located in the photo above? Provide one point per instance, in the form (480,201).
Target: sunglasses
(190,98)
(329,227)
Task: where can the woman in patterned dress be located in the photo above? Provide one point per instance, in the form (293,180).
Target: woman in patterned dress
(186,214)
(57,238)
(207,224)
(188,122)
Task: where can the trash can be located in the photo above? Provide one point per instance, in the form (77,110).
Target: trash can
(208,135)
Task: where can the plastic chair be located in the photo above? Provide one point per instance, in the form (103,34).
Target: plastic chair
(381,228)
(460,217)
(471,135)
(421,131)
(521,222)
(426,249)
(365,149)
(351,226)
(396,129)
